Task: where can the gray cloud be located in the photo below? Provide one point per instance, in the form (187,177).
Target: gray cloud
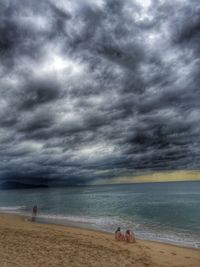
(92,90)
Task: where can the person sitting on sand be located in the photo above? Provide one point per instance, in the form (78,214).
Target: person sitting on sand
(118,235)
(129,237)
(34,213)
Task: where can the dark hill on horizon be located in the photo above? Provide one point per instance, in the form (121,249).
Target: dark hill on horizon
(19,185)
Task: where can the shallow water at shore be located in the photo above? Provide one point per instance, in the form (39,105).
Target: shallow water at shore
(168,212)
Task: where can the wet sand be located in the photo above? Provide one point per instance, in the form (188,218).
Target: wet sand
(27,244)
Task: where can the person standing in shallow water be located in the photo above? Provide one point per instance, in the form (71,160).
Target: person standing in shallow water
(34,213)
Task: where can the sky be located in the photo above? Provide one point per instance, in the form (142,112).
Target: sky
(94,90)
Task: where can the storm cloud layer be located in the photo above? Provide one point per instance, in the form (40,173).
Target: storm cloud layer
(98,89)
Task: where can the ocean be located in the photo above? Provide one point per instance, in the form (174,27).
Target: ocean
(167,212)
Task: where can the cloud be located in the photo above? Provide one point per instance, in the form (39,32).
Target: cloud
(94,90)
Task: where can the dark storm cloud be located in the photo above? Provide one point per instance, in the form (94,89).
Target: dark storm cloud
(97,89)
(38,92)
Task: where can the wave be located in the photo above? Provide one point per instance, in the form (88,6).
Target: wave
(84,219)
(12,208)
(172,238)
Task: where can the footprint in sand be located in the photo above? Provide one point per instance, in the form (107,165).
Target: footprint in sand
(187,257)
(173,253)
(161,251)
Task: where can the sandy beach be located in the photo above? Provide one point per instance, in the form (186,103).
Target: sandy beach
(24,243)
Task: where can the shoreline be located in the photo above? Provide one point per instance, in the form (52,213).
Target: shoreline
(86,226)
(57,245)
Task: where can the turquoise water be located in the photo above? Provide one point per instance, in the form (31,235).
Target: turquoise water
(168,212)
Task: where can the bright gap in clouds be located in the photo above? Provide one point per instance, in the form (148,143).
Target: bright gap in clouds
(57,63)
(144,3)
(94,152)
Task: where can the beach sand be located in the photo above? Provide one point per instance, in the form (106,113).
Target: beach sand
(24,243)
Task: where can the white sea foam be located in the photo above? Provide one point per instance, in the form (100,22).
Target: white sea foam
(12,209)
(100,221)
(171,238)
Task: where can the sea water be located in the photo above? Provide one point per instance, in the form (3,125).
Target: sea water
(167,212)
